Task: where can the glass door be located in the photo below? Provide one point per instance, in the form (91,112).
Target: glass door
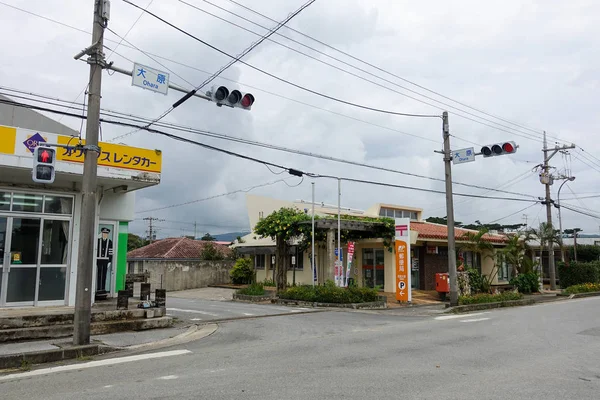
(22,270)
(373,268)
(4,256)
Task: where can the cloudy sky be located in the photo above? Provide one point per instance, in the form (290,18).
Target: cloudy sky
(523,67)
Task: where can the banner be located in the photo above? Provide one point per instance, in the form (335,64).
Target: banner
(403,263)
(349,266)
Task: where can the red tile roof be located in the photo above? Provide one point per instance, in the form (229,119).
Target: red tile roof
(428,230)
(175,248)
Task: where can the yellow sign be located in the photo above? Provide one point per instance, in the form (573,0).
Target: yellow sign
(113,155)
(8,138)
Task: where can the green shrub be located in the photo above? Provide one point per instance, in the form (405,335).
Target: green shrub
(254,289)
(242,272)
(527,282)
(578,272)
(269,282)
(583,288)
(329,293)
(475,280)
(481,298)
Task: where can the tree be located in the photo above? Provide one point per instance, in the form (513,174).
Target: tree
(135,242)
(515,254)
(476,243)
(210,252)
(283,226)
(208,237)
(441,221)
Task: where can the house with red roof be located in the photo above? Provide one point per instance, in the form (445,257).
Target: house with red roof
(373,263)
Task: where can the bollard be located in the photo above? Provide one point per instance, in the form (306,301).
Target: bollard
(145,292)
(122,300)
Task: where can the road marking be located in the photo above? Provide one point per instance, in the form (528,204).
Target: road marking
(196,319)
(445,317)
(474,320)
(247,313)
(193,311)
(168,377)
(92,364)
(108,386)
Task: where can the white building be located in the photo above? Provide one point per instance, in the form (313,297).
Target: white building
(39,224)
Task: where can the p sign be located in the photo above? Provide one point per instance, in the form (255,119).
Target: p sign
(402,250)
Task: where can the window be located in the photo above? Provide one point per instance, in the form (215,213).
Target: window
(4,201)
(472,260)
(259,261)
(55,242)
(503,269)
(382,212)
(261,215)
(413,216)
(27,202)
(58,205)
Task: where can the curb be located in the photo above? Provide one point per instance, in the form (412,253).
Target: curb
(578,295)
(375,305)
(194,332)
(46,356)
(250,298)
(488,306)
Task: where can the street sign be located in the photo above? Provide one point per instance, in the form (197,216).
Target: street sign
(402,250)
(150,79)
(463,155)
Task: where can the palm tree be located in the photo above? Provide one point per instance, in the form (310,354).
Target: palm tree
(515,254)
(548,236)
(475,243)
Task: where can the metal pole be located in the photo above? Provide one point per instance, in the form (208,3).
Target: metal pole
(450,211)
(313,234)
(339,236)
(562,250)
(551,268)
(85,260)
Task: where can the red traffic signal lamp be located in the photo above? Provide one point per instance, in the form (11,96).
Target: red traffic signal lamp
(234,98)
(44,158)
(499,149)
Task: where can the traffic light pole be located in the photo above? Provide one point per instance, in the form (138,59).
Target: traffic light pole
(85,259)
(450,212)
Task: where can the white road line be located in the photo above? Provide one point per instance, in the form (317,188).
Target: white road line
(445,317)
(193,311)
(247,313)
(92,364)
(474,320)
(168,377)
(196,319)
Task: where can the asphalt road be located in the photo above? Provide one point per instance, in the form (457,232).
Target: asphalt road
(547,351)
(201,311)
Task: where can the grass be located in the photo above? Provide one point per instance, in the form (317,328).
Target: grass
(482,298)
(329,293)
(583,288)
(25,365)
(254,289)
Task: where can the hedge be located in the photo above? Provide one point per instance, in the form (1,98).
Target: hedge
(481,298)
(583,288)
(577,273)
(330,293)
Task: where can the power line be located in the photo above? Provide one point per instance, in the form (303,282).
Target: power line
(346,71)
(572,208)
(226,66)
(232,80)
(300,152)
(538,131)
(246,190)
(516,212)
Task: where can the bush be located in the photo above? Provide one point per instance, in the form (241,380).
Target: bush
(329,293)
(583,288)
(269,282)
(254,289)
(242,272)
(527,282)
(578,272)
(210,252)
(489,298)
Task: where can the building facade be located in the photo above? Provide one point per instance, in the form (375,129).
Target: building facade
(39,223)
(373,263)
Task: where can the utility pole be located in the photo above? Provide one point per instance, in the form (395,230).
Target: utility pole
(450,211)
(548,154)
(85,259)
(195,224)
(152,229)
(339,236)
(312,254)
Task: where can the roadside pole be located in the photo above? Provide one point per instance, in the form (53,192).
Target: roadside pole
(339,235)
(85,259)
(450,212)
(312,254)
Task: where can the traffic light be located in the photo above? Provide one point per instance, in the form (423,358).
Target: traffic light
(44,158)
(223,96)
(499,149)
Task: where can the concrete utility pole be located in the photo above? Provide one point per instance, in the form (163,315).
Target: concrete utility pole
(312,254)
(87,228)
(548,202)
(450,211)
(151,229)
(339,237)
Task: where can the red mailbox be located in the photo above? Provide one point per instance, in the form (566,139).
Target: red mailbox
(442,283)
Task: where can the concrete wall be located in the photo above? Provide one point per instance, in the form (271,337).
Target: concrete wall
(182,275)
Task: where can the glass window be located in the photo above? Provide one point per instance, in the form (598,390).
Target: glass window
(382,212)
(24,241)
(299,259)
(4,201)
(52,283)
(26,202)
(21,284)
(379,257)
(55,242)
(259,261)
(368,257)
(58,205)
(391,213)
(413,216)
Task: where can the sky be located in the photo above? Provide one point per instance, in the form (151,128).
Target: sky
(504,71)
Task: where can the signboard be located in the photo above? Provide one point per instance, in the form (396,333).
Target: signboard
(338,273)
(22,142)
(463,155)
(150,79)
(349,266)
(403,263)
(432,249)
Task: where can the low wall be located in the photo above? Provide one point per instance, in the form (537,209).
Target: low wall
(182,275)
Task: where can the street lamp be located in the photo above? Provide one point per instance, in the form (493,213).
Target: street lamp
(562,252)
